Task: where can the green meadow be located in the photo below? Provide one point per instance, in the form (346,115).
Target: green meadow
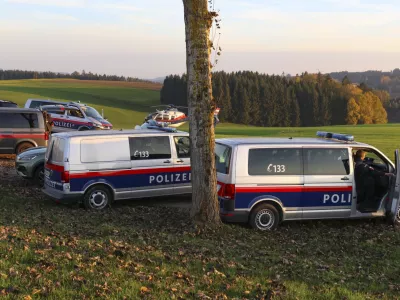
(127,104)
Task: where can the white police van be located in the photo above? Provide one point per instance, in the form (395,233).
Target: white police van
(264,181)
(99,167)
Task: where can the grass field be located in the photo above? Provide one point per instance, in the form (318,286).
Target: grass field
(135,250)
(125,104)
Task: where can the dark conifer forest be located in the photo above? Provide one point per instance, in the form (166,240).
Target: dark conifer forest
(273,101)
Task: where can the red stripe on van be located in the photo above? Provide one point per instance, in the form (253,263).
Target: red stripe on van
(23,136)
(54,167)
(293,189)
(128,172)
(328,189)
(274,189)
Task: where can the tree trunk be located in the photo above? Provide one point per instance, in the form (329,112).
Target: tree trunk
(198,22)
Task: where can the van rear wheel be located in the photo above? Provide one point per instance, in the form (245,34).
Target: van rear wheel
(97,198)
(397,220)
(264,217)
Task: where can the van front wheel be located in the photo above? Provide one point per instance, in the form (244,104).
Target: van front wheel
(264,217)
(97,198)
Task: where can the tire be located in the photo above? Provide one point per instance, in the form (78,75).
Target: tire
(83,129)
(397,220)
(97,198)
(38,176)
(264,217)
(23,146)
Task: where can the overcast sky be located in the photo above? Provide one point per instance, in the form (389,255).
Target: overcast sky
(146,38)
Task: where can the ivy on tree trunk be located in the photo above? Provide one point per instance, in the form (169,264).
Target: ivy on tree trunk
(198,22)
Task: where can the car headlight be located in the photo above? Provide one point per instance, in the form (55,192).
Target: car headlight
(97,125)
(26,157)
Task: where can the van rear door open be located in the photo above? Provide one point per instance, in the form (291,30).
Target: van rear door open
(392,208)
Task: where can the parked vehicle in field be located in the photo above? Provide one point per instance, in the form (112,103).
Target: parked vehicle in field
(264,181)
(70,118)
(21,129)
(30,164)
(85,110)
(5,103)
(37,103)
(100,167)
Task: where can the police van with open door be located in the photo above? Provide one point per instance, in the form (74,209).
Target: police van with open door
(264,181)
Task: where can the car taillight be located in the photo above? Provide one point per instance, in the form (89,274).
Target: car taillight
(46,136)
(228,191)
(65,176)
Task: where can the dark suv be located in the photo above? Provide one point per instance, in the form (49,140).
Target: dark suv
(5,103)
(21,129)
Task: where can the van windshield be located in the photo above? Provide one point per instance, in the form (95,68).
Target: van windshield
(222,158)
(91,112)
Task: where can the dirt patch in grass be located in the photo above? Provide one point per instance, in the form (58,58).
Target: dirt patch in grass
(134,251)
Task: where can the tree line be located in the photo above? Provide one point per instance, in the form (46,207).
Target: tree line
(388,81)
(21,74)
(252,98)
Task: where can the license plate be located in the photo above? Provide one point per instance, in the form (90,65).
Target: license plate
(49,183)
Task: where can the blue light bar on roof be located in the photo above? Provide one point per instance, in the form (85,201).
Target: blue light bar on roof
(336,136)
(167,129)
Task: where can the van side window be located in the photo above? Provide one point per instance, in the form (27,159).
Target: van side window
(326,161)
(275,161)
(182,144)
(74,113)
(153,147)
(19,120)
(36,104)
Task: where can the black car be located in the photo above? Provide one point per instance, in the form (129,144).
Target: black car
(5,103)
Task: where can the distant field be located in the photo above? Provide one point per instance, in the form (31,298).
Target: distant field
(384,137)
(126,104)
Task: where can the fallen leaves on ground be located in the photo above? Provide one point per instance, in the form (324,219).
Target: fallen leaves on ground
(131,251)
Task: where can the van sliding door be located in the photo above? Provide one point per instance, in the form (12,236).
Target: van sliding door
(328,183)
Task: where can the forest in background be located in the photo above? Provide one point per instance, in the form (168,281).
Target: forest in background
(251,98)
(21,74)
(388,81)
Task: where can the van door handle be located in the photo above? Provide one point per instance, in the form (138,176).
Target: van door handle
(180,161)
(345,178)
(167,162)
